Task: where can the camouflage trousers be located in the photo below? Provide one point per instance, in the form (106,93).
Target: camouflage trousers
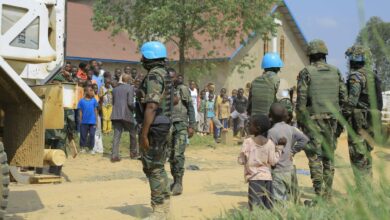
(56,138)
(359,149)
(320,153)
(178,147)
(153,161)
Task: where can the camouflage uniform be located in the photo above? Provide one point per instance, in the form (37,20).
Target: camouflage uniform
(154,89)
(262,94)
(56,138)
(183,116)
(358,112)
(320,86)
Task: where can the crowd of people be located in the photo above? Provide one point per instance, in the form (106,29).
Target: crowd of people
(215,113)
(165,113)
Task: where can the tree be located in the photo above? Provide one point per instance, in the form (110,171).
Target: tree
(181,21)
(376,35)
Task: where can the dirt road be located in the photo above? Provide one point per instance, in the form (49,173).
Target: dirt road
(97,189)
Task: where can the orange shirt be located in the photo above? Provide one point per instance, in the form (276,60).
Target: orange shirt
(81,75)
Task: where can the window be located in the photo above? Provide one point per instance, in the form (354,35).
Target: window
(265,44)
(282,49)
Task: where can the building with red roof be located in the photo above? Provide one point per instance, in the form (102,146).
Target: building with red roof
(226,67)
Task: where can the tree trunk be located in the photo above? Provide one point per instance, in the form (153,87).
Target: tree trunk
(182,46)
(182,58)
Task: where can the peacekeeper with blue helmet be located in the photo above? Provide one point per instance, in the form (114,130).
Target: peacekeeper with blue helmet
(154,108)
(264,88)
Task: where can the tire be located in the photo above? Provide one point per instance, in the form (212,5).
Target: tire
(4,181)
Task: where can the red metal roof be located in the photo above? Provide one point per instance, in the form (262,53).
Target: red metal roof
(84,42)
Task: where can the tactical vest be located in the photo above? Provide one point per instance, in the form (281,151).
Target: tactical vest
(166,101)
(323,90)
(264,93)
(180,112)
(364,101)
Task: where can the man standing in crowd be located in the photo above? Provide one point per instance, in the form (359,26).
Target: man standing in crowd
(117,77)
(321,91)
(134,74)
(101,70)
(263,89)
(96,76)
(122,118)
(183,118)
(127,70)
(232,122)
(240,105)
(359,112)
(64,75)
(155,98)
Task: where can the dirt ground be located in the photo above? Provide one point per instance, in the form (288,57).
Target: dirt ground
(94,188)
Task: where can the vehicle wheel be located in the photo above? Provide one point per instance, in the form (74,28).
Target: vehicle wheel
(4,181)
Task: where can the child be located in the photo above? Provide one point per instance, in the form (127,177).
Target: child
(88,111)
(283,171)
(209,112)
(258,154)
(106,97)
(201,113)
(224,111)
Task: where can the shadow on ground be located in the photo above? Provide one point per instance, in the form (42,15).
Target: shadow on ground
(232,193)
(23,202)
(138,211)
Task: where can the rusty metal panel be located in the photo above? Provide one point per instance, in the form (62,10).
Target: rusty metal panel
(53,109)
(24,135)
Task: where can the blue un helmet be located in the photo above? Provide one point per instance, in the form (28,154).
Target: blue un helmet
(153,50)
(271,60)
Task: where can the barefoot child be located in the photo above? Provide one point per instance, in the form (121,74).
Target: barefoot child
(282,172)
(258,154)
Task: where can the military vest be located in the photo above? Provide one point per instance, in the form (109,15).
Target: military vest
(180,112)
(364,101)
(264,93)
(323,90)
(166,101)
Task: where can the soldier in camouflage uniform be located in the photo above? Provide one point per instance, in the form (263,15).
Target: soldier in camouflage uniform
(263,91)
(321,91)
(154,99)
(357,112)
(183,118)
(56,138)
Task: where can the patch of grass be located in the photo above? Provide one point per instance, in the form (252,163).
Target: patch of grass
(124,145)
(357,204)
(198,141)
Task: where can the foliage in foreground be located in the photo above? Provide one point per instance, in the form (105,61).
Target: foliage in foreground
(356,204)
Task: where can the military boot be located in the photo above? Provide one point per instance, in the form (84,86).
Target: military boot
(158,213)
(177,187)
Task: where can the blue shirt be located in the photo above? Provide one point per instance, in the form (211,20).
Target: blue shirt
(99,81)
(87,107)
(210,109)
